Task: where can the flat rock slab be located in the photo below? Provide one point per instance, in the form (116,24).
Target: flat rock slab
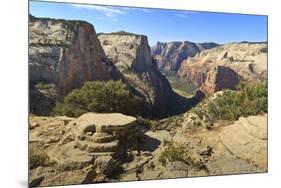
(226,163)
(247,139)
(106,121)
(68,154)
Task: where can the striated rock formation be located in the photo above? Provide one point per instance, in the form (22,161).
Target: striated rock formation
(224,66)
(66,53)
(169,55)
(131,54)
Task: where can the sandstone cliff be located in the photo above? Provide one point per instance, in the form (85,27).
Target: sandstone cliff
(235,62)
(63,54)
(66,53)
(131,55)
(169,55)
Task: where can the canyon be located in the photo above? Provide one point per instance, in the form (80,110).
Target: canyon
(169,55)
(174,135)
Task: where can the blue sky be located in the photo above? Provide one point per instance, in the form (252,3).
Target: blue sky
(160,24)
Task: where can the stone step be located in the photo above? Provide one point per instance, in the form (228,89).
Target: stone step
(101,153)
(103,147)
(103,138)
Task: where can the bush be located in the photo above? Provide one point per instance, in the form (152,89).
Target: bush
(248,100)
(147,123)
(111,96)
(43,86)
(37,159)
(171,154)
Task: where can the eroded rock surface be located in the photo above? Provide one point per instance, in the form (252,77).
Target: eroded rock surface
(126,151)
(85,149)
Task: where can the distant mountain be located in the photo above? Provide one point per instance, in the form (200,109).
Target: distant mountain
(169,55)
(226,65)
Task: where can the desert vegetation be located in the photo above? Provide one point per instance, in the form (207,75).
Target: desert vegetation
(171,154)
(247,100)
(97,96)
(38,158)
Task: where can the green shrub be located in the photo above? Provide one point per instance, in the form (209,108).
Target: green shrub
(250,99)
(111,96)
(41,85)
(171,154)
(147,123)
(118,33)
(37,159)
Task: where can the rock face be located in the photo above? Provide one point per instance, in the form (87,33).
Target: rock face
(131,55)
(66,53)
(169,55)
(219,78)
(224,66)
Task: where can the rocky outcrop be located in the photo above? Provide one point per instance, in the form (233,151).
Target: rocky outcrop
(100,132)
(169,55)
(184,148)
(224,66)
(66,53)
(85,150)
(131,54)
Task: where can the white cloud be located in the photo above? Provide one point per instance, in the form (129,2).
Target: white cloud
(107,11)
(183,14)
(146,10)
(180,15)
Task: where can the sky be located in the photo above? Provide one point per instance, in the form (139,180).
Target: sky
(160,24)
